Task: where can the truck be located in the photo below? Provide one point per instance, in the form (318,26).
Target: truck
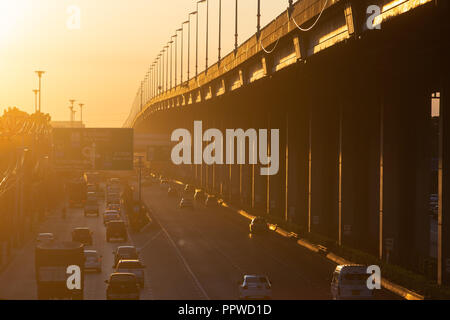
(54,264)
(76,191)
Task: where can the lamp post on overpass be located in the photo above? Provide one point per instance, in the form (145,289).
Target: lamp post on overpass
(258,21)
(176,53)
(220,30)
(166,49)
(182,45)
(196,40)
(189,44)
(236,27)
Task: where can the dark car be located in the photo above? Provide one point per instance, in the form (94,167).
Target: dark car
(200,196)
(211,201)
(116,229)
(83,235)
(258,224)
(125,252)
(122,286)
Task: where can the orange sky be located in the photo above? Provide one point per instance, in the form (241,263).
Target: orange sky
(102,63)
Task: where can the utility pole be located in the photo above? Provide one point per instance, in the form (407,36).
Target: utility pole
(40,73)
(35,100)
(81,113)
(72,101)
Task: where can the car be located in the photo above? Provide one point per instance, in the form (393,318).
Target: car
(113,207)
(91,207)
(172,192)
(189,191)
(122,286)
(186,203)
(45,237)
(114,181)
(93,260)
(110,215)
(91,196)
(132,266)
(200,195)
(255,287)
(164,182)
(211,201)
(258,225)
(83,235)
(116,229)
(125,252)
(349,282)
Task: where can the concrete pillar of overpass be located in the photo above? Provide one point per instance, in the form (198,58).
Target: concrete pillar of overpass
(444,184)
(324,171)
(406,175)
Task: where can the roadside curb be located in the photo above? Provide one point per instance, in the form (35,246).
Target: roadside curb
(386,284)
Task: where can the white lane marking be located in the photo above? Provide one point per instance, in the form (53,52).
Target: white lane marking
(186,265)
(151,239)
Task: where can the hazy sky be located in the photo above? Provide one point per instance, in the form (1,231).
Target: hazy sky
(102,63)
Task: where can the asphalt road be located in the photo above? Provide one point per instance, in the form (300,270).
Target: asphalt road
(189,254)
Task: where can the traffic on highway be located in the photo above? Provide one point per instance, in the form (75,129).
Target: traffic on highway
(181,243)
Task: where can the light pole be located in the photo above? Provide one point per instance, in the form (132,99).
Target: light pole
(182,40)
(176,54)
(71,111)
(207,33)
(258,21)
(35,100)
(142,85)
(236,28)
(171,69)
(81,113)
(189,44)
(220,29)
(40,73)
(196,41)
(166,48)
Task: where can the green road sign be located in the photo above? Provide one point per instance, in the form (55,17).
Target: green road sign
(93,148)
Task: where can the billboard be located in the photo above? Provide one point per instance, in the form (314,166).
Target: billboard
(93,148)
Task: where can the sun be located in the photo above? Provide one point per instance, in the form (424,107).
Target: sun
(10,14)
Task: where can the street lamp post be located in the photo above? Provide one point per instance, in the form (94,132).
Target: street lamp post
(40,73)
(236,28)
(81,113)
(72,101)
(35,100)
(171,59)
(258,20)
(220,29)
(176,54)
(182,45)
(166,48)
(189,44)
(196,41)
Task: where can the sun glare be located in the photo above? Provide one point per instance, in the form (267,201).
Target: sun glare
(10,13)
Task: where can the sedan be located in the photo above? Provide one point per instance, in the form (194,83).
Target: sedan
(93,260)
(255,287)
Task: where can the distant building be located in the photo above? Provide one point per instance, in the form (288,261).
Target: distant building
(67,124)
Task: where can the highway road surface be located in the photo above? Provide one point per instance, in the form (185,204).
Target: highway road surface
(189,254)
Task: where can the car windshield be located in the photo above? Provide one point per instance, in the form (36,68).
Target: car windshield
(90,254)
(82,232)
(129,265)
(127,251)
(355,278)
(255,280)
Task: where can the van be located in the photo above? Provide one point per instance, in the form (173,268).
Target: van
(350,282)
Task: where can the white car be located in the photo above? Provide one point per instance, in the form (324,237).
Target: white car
(93,260)
(255,287)
(45,237)
(350,283)
(110,215)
